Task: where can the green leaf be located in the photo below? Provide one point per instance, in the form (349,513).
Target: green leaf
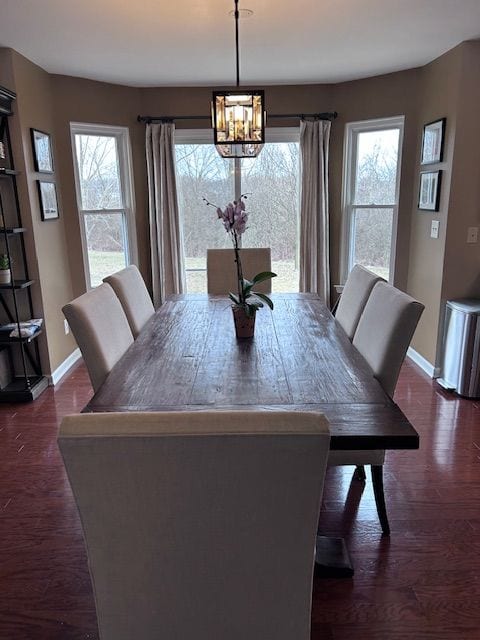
(247,286)
(233,298)
(263,275)
(265,298)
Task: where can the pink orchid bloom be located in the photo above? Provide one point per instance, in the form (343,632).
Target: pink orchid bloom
(230,210)
(234,217)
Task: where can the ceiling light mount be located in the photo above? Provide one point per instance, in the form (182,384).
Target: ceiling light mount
(242,13)
(238,117)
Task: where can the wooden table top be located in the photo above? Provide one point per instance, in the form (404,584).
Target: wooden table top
(187,358)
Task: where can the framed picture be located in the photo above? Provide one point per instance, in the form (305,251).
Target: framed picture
(432,142)
(42,151)
(47,193)
(429,192)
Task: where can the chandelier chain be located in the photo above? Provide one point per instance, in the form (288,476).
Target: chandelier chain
(237,46)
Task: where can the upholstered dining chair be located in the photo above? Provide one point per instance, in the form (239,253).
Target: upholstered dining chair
(101,329)
(130,288)
(383,335)
(353,299)
(222,273)
(199,524)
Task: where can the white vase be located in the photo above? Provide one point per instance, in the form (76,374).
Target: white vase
(5,276)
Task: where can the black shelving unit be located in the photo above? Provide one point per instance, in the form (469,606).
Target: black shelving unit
(21,376)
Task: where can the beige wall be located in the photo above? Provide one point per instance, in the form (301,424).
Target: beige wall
(7,79)
(79,100)
(45,241)
(394,94)
(461,269)
(438,97)
(6,69)
(421,95)
(196,101)
(389,95)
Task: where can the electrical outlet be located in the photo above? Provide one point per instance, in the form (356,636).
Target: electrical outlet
(472,235)
(434,229)
(67,327)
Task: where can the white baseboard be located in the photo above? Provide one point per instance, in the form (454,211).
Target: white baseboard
(66,365)
(423,363)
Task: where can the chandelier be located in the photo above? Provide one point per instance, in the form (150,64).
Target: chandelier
(238,117)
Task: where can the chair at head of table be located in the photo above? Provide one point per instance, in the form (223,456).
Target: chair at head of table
(199,524)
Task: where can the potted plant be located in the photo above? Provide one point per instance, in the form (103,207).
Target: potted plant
(5,273)
(246,301)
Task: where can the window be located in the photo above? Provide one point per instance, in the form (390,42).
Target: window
(104,197)
(372,162)
(271,180)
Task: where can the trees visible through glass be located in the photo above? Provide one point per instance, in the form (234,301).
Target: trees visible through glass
(271,184)
(372,196)
(102,204)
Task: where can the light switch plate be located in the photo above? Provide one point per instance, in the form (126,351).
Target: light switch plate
(434,229)
(472,235)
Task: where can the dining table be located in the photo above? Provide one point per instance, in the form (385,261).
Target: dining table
(187,358)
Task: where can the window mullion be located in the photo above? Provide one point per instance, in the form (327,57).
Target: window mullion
(351,236)
(386,205)
(238,177)
(103,211)
(238,183)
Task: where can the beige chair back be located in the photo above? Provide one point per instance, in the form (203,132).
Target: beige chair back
(101,330)
(356,292)
(385,330)
(199,524)
(222,270)
(130,288)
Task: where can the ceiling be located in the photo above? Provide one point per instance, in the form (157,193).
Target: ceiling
(191,42)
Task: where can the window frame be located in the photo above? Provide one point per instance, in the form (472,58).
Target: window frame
(205,136)
(352,131)
(124,155)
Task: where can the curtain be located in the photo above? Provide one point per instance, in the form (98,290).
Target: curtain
(314,234)
(166,242)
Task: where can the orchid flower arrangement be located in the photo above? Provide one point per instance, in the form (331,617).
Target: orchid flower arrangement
(234,218)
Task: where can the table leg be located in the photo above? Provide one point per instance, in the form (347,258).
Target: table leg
(332,559)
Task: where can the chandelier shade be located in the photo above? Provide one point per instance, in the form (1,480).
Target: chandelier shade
(238,117)
(238,123)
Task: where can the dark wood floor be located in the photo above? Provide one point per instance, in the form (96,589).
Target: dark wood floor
(422,582)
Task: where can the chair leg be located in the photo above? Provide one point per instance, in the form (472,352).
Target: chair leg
(359,472)
(377,479)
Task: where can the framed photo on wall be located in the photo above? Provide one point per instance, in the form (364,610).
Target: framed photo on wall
(47,194)
(42,151)
(432,141)
(429,191)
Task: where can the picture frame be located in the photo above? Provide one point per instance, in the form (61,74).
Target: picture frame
(42,151)
(429,190)
(47,195)
(433,141)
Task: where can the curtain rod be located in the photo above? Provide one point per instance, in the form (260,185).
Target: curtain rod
(327,115)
